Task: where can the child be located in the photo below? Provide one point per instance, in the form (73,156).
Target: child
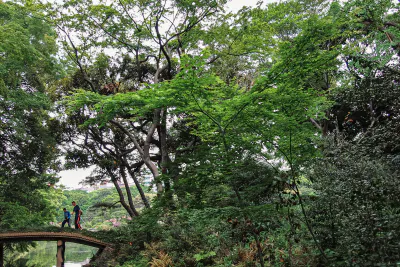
(67,217)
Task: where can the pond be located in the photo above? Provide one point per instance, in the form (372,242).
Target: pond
(44,255)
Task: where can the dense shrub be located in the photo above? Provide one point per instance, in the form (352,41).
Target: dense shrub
(357,211)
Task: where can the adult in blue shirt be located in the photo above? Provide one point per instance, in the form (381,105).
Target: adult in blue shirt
(67,217)
(77,212)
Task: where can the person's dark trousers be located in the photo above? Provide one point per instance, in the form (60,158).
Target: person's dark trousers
(78,222)
(66,221)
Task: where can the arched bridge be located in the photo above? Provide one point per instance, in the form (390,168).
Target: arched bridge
(60,237)
(52,236)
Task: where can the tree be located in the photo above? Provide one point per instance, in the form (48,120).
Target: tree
(356,178)
(150,37)
(28,138)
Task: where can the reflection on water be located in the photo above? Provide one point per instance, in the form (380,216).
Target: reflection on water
(44,255)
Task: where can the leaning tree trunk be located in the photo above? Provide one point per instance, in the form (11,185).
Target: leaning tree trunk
(127,188)
(138,185)
(132,212)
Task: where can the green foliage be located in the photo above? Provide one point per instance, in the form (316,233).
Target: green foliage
(41,210)
(31,61)
(27,134)
(14,215)
(357,206)
(202,256)
(193,235)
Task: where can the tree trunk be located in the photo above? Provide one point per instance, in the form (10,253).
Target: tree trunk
(131,212)
(146,151)
(138,186)
(127,189)
(162,132)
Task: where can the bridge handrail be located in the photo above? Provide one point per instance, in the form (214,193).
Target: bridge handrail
(34,236)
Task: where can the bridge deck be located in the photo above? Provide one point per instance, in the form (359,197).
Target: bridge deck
(51,236)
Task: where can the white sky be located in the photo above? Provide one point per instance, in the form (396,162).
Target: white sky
(236,5)
(72,178)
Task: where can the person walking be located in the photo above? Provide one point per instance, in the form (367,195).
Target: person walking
(77,211)
(67,218)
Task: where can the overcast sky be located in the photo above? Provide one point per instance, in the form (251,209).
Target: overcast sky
(235,5)
(73,177)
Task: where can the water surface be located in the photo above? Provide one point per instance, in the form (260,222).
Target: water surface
(44,255)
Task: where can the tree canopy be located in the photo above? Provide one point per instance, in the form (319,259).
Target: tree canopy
(28,139)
